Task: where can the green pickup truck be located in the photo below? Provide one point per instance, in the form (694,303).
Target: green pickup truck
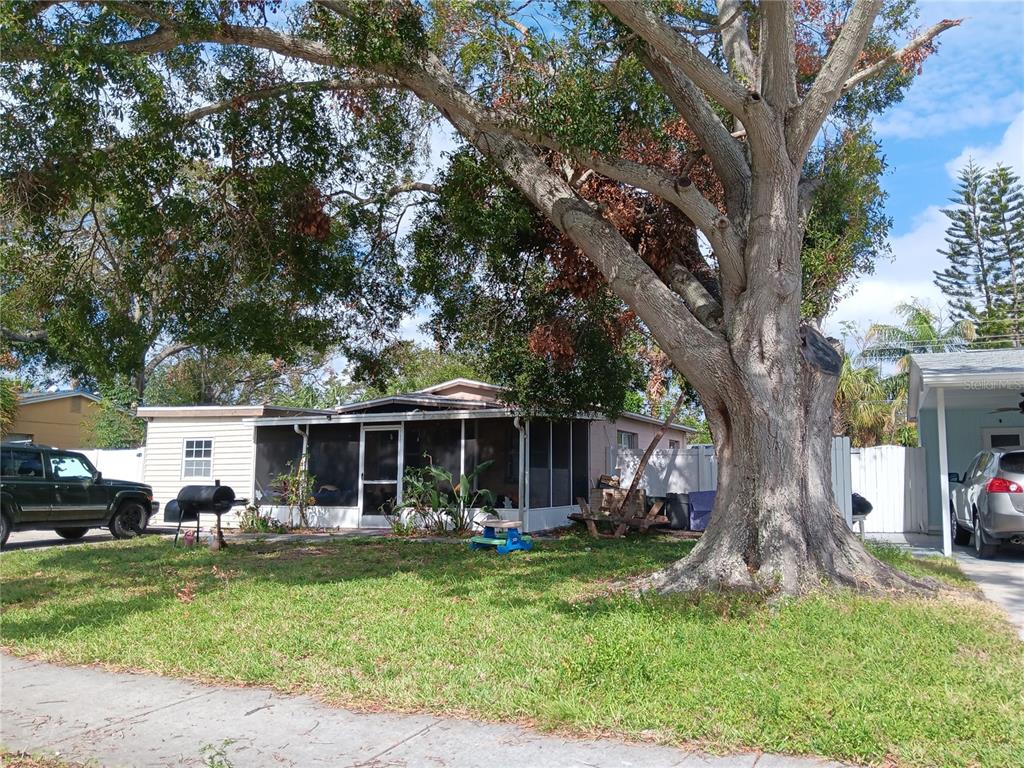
(47,488)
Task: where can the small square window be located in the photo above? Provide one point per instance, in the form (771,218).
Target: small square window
(198,459)
(630,440)
(673,445)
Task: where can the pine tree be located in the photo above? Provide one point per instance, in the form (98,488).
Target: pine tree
(970,279)
(1002,209)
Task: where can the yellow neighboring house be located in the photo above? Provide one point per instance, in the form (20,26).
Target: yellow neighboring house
(52,418)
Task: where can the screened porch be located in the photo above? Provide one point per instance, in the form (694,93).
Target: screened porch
(358,460)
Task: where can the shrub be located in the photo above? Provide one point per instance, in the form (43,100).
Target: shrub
(433,500)
(295,488)
(252,520)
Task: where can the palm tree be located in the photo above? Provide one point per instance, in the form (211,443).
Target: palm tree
(864,406)
(922,331)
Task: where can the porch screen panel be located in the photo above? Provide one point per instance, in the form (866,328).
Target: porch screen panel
(560,463)
(334,462)
(278,451)
(437,439)
(540,469)
(495,440)
(580,452)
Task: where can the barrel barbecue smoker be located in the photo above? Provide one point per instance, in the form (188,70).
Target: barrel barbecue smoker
(194,500)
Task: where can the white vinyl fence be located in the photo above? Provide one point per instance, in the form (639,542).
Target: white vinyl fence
(117,464)
(695,468)
(894,480)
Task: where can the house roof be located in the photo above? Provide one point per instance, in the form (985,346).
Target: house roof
(27,398)
(659,422)
(415,399)
(221,411)
(454,406)
(977,377)
(472,383)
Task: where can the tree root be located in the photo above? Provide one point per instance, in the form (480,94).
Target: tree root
(706,570)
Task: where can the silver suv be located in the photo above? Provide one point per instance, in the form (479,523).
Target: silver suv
(987,503)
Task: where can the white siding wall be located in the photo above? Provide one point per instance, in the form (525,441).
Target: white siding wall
(232,457)
(603,437)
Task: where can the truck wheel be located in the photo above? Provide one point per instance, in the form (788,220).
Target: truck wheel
(128,520)
(71,534)
(5,528)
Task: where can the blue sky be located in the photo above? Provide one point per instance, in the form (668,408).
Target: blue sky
(969,102)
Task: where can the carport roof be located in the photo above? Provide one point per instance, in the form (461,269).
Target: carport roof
(977,378)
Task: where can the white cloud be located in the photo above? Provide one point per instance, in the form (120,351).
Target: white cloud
(874,300)
(1009,151)
(975,108)
(974,81)
(907,277)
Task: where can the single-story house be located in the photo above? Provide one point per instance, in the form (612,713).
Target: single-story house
(963,403)
(52,418)
(359,452)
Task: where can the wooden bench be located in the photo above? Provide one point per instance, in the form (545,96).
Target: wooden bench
(503,535)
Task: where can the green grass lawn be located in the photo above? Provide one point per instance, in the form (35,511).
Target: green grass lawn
(537,638)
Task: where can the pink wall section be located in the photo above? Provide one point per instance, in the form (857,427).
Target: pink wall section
(603,435)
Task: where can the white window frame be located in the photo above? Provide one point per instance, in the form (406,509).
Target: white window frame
(989,432)
(634,437)
(184,458)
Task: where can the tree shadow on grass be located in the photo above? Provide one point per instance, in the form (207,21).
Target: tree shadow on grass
(94,614)
(98,585)
(147,576)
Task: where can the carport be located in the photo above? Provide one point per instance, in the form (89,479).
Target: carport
(963,403)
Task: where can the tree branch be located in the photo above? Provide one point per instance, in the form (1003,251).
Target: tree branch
(806,190)
(778,55)
(726,154)
(304,86)
(628,276)
(828,84)
(700,301)
(713,28)
(675,191)
(169,351)
(680,52)
(395,191)
(736,42)
(625,271)
(23,337)
(896,57)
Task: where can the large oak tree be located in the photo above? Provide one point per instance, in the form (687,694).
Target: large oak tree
(562,96)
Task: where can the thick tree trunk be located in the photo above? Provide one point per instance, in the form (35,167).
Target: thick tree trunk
(775,526)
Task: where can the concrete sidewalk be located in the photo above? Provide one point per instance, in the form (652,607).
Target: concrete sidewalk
(141,720)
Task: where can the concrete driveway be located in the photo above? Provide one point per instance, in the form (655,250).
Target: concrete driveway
(40,539)
(1001,579)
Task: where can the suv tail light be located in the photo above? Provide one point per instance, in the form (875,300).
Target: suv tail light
(1002,485)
